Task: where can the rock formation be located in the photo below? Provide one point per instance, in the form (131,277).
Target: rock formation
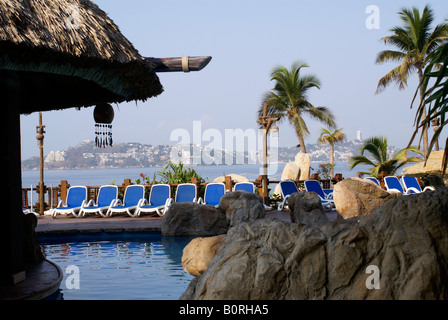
(398,251)
(241,206)
(297,170)
(306,208)
(193,219)
(357,197)
(198,254)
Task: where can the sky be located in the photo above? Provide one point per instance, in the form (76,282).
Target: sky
(247,39)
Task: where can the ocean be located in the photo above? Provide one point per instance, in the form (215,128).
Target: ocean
(98,177)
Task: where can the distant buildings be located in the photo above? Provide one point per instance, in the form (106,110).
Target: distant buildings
(359,135)
(86,156)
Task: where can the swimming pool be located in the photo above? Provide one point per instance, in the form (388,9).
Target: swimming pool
(118,266)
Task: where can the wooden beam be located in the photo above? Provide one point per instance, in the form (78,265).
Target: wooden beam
(180,64)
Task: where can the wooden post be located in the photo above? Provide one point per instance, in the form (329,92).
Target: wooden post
(228,183)
(126,183)
(42,189)
(259,182)
(266,122)
(64,190)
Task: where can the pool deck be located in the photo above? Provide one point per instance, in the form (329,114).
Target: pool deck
(70,224)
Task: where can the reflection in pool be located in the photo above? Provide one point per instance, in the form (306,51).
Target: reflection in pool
(118,266)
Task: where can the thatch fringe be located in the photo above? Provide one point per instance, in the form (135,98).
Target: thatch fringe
(73,38)
(77,27)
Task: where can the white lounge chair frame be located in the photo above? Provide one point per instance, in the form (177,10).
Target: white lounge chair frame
(374,180)
(327,200)
(127,209)
(284,203)
(160,210)
(403,191)
(102,211)
(203,201)
(415,190)
(74,210)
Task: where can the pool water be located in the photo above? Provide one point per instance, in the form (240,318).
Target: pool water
(123,266)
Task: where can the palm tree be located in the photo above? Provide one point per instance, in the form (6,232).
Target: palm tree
(331,138)
(379,159)
(289,99)
(416,43)
(436,97)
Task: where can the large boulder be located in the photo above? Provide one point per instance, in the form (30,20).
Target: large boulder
(193,219)
(398,251)
(303,161)
(198,254)
(357,197)
(241,206)
(297,170)
(306,208)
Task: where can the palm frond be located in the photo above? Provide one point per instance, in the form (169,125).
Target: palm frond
(360,160)
(393,75)
(323,114)
(389,55)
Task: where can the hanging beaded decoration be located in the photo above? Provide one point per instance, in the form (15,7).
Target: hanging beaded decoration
(103,115)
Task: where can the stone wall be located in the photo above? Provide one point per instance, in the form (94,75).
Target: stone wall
(404,242)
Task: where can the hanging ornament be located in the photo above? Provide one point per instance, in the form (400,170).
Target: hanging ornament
(103,115)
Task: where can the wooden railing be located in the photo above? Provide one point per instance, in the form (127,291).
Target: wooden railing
(54,194)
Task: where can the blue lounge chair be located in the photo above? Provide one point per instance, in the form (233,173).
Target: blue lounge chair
(411,185)
(133,196)
(159,201)
(213,193)
(325,198)
(287,188)
(186,192)
(374,180)
(244,186)
(107,197)
(392,183)
(76,199)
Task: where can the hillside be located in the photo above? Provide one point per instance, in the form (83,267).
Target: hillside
(127,155)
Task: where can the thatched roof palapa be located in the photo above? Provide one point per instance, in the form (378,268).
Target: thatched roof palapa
(69,53)
(58,54)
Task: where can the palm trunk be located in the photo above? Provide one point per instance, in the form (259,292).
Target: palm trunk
(332,160)
(424,115)
(302,143)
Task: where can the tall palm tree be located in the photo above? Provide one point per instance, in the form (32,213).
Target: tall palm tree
(289,99)
(416,43)
(436,97)
(379,158)
(331,138)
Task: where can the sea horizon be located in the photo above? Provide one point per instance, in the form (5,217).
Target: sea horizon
(102,176)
